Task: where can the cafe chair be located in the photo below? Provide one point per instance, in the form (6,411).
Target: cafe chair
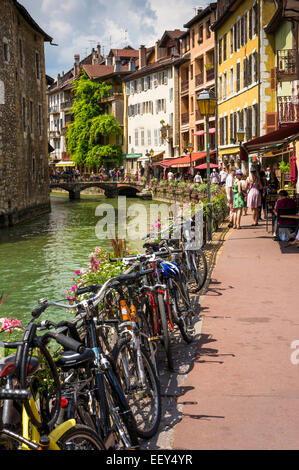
(269,208)
(292,223)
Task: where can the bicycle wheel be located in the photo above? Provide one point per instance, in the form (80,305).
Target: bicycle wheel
(145,324)
(165,330)
(80,437)
(44,384)
(184,315)
(120,414)
(196,272)
(144,398)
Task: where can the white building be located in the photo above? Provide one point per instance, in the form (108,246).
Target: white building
(152,105)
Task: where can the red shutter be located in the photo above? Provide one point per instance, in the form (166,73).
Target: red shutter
(271,122)
(273,78)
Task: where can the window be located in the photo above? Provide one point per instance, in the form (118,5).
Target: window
(245,71)
(21,57)
(208,32)
(249,72)
(31,117)
(255,19)
(220,88)
(149,137)
(5,52)
(231,81)
(40,119)
(200,34)
(24,114)
(193,37)
(225,130)
(231,41)
(255,66)
(250,24)
(142,137)
(242,30)
(235,37)
(37,65)
(238,78)
(225,47)
(191,72)
(220,51)
(171,95)
(245,28)
(156,141)
(224,85)
(136,138)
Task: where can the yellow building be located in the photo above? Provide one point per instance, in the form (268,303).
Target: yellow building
(244,58)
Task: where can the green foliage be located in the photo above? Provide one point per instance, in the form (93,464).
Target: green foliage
(284,167)
(90,126)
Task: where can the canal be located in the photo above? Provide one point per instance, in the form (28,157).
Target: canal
(38,258)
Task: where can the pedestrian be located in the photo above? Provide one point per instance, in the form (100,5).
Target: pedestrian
(170,176)
(198,178)
(253,186)
(214,177)
(263,192)
(229,194)
(136,175)
(243,182)
(283,202)
(273,183)
(238,199)
(223,175)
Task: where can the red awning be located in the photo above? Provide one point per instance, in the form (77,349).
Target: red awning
(212,130)
(165,163)
(280,136)
(184,162)
(204,166)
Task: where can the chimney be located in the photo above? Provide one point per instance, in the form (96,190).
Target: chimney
(76,65)
(94,57)
(99,51)
(117,64)
(58,80)
(142,56)
(132,65)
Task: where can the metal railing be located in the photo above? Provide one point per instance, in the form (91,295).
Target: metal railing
(185,118)
(286,63)
(185,85)
(287,109)
(199,79)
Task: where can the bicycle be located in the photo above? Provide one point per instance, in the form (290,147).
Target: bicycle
(112,417)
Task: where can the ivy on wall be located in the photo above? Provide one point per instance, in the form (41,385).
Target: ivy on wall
(86,135)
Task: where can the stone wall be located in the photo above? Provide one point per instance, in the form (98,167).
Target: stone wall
(24,175)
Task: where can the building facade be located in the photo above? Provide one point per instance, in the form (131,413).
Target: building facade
(197,73)
(152,103)
(244,57)
(24,176)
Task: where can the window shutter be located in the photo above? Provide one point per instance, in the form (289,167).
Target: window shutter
(273,78)
(249,77)
(250,24)
(245,29)
(245,82)
(271,122)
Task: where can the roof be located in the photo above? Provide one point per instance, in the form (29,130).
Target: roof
(126,52)
(28,18)
(153,67)
(97,71)
(232,6)
(201,14)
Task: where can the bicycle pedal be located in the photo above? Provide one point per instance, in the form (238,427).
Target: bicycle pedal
(155,338)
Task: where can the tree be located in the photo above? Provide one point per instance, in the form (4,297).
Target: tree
(85,138)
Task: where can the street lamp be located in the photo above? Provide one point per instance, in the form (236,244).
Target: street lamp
(207,106)
(189,150)
(150,155)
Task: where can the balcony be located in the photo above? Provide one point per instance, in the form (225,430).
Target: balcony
(286,64)
(185,86)
(287,109)
(54,134)
(210,74)
(64,131)
(67,104)
(199,79)
(54,110)
(198,116)
(185,118)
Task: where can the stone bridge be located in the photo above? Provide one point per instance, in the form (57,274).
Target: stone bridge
(111,189)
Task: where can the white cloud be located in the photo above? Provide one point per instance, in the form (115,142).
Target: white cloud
(78,25)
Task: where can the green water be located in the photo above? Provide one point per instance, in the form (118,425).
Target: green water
(38,258)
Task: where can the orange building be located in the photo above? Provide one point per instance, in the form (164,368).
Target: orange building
(197,72)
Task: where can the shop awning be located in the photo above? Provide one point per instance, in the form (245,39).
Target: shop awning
(204,166)
(184,162)
(212,130)
(66,163)
(284,135)
(165,163)
(130,156)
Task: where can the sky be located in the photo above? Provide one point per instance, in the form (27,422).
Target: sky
(79,25)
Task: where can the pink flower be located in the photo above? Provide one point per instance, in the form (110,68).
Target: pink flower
(77,273)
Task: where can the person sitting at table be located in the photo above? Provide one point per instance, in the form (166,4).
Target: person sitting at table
(273,183)
(283,202)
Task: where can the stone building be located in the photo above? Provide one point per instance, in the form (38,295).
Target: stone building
(24,175)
